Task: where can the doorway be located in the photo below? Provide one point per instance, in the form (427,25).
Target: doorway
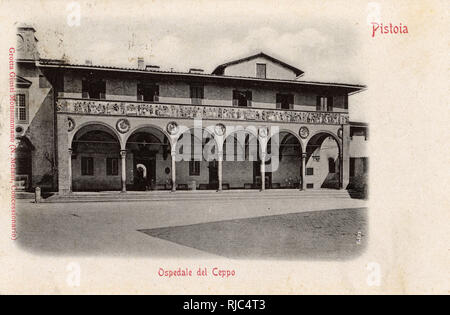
(213,175)
(144,173)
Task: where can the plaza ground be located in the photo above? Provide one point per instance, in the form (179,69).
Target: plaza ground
(259,228)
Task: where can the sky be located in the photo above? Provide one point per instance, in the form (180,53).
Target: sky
(180,35)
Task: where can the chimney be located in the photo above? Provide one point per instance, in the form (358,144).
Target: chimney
(27,43)
(88,62)
(141,64)
(152,68)
(196,70)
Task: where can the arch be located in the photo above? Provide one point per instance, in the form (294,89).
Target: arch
(284,140)
(95,158)
(326,174)
(148,152)
(192,132)
(322,133)
(79,128)
(143,126)
(204,141)
(244,146)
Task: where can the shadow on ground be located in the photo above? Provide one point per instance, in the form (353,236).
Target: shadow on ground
(326,235)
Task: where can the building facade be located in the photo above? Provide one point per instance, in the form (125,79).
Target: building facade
(250,124)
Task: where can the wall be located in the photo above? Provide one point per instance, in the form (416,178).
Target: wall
(248,69)
(321,174)
(40,127)
(98,181)
(178,92)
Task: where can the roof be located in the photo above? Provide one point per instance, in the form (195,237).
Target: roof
(22,82)
(60,64)
(220,69)
(358,124)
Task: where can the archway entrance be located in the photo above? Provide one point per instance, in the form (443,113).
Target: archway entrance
(197,165)
(286,172)
(149,160)
(24,173)
(241,162)
(323,162)
(95,159)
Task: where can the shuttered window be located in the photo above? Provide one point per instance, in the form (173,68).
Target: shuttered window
(21,108)
(261,70)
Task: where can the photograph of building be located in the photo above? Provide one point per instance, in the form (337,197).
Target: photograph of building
(87,127)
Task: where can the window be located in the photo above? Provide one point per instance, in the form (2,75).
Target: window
(148,92)
(196,94)
(309,185)
(93,88)
(87,166)
(196,91)
(21,108)
(309,171)
(242,98)
(194,168)
(261,70)
(112,166)
(331,165)
(285,101)
(324,103)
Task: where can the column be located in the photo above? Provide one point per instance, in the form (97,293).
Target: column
(303,185)
(341,170)
(123,156)
(345,157)
(64,156)
(174,170)
(263,172)
(219,170)
(69,170)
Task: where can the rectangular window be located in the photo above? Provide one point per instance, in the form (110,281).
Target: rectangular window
(310,186)
(148,92)
(112,166)
(285,101)
(196,94)
(324,103)
(196,91)
(87,166)
(21,108)
(261,70)
(194,168)
(309,171)
(242,98)
(93,88)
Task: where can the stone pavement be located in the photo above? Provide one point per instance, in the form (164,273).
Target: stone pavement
(115,228)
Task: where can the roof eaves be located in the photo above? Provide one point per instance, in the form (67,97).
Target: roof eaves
(100,67)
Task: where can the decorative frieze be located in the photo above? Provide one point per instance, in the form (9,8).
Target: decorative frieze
(116,108)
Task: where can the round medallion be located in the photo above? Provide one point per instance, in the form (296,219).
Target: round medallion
(339,133)
(123,125)
(263,132)
(303,132)
(220,129)
(172,128)
(71,124)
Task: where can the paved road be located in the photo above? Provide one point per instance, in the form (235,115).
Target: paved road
(190,229)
